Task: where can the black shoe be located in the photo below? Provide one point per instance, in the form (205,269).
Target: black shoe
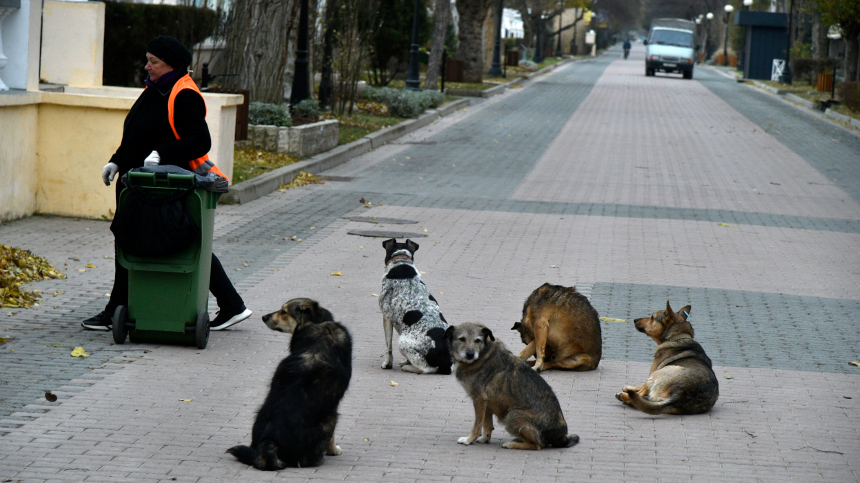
(102,321)
(227,318)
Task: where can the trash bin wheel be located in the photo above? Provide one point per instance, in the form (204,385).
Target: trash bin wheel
(120,331)
(201,330)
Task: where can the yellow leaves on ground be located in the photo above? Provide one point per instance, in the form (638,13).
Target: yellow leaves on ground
(393,384)
(17,267)
(301,179)
(185,400)
(336,274)
(724,224)
(610,319)
(79,352)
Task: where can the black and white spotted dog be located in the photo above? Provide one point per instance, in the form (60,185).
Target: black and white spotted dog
(407,306)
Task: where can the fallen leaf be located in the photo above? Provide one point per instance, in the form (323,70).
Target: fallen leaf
(367,439)
(374,295)
(51,397)
(82,270)
(724,224)
(79,352)
(185,400)
(610,319)
(855,363)
(393,384)
(729,377)
(336,274)
(425,230)
(553,266)
(246,264)
(362,200)
(90,265)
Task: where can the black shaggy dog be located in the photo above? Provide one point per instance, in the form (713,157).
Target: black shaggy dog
(295,426)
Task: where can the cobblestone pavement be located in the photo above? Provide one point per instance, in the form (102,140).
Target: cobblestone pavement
(635,189)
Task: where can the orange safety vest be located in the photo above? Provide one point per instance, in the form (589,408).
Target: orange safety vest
(201,165)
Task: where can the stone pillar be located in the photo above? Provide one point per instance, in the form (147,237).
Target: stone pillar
(6,8)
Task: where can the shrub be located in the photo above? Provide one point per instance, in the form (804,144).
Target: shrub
(308,108)
(849,92)
(528,65)
(807,70)
(130,26)
(264,113)
(404,103)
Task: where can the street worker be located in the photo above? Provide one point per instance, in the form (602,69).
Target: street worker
(167,126)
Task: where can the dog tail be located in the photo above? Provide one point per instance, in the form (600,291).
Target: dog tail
(567,441)
(264,459)
(652,407)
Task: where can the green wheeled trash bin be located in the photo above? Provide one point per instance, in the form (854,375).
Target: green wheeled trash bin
(168,295)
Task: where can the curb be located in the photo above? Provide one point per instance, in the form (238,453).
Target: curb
(829,113)
(264,184)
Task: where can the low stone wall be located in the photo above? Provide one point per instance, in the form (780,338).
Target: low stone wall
(300,141)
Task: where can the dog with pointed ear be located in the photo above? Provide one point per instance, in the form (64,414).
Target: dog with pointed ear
(503,385)
(681,380)
(295,313)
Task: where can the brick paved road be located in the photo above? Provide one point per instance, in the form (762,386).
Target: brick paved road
(594,175)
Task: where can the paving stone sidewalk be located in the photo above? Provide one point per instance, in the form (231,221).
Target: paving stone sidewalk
(589,176)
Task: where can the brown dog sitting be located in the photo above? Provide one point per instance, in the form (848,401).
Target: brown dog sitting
(681,379)
(561,329)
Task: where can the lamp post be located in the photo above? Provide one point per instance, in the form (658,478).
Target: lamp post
(729,9)
(708,17)
(698,21)
(742,53)
(560,18)
(496,66)
(301,88)
(785,78)
(413,80)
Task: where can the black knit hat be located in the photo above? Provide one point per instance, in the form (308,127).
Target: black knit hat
(170,51)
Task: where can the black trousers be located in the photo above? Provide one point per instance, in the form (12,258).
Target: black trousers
(219,284)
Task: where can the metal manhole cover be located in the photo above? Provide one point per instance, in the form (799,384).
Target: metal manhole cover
(386,234)
(380,221)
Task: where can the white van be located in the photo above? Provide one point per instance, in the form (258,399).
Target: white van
(670,48)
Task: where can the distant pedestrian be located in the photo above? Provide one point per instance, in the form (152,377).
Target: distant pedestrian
(626,48)
(167,125)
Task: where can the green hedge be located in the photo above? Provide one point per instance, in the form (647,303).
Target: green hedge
(807,70)
(130,26)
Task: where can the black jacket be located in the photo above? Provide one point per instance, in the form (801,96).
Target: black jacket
(147,129)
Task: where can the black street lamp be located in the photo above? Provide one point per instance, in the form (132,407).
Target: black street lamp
(301,88)
(785,78)
(558,43)
(413,79)
(729,9)
(742,53)
(708,17)
(496,66)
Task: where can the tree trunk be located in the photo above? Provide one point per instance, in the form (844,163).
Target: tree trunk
(326,82)
(819,38)
(442,11)
(852,46)
(257,47)
(471,26)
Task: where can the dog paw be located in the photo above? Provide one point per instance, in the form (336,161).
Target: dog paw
(334,452)
(623,397)
(386,363)
(483,439)
(464,440)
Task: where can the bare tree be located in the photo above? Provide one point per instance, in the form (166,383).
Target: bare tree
(471,25)
(353,38)
(442,12)
(257,46)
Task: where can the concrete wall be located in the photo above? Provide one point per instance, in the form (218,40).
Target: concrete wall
(73,43)
(53,147)
(18,168)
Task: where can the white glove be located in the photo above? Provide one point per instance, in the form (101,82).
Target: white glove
(152,160)
(109,172)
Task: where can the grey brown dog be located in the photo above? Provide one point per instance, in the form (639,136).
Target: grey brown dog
(561,329)
(681,380)
(503,385)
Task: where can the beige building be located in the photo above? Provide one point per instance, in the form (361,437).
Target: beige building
(54,141)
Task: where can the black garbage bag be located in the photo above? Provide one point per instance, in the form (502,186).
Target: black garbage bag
(209,181)
(150,225)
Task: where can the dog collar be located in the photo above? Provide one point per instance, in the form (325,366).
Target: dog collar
(398,257)
(679,337)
